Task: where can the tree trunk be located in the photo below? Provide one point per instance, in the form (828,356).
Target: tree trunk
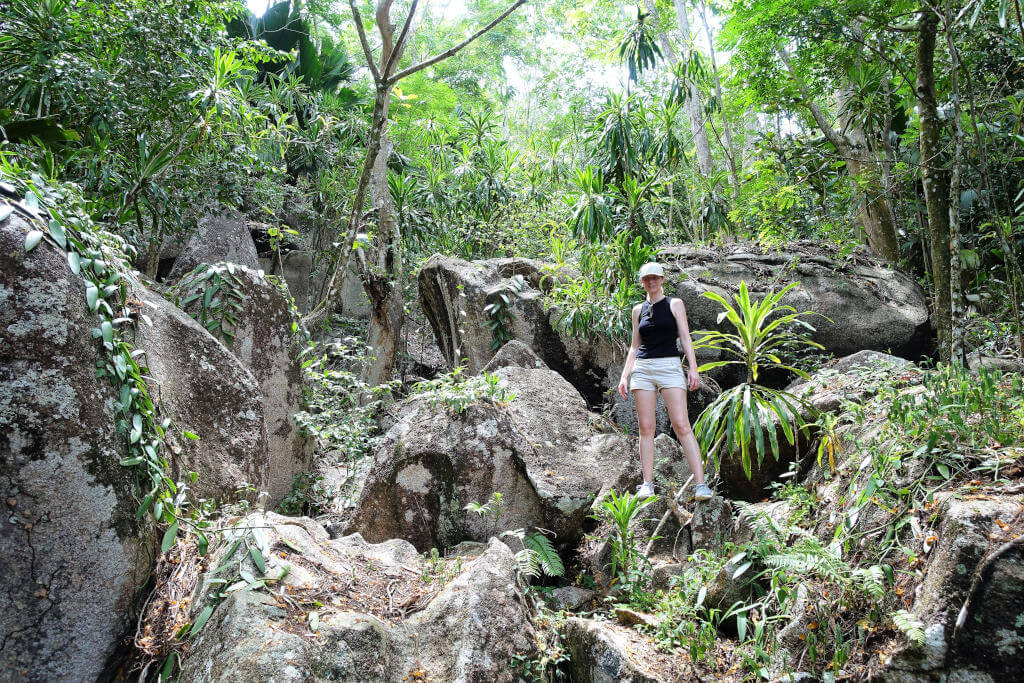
(700,132)
(957,312)
(384,278)
(876,214)
(934,177)
(384,79)
(729,148)
(692,104)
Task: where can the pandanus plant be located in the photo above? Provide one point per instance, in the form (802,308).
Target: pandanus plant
(743,419)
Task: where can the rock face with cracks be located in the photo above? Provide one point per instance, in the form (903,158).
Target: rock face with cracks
(599,655)
(74,555)
(432,463)
(205,390)
(264,343)
(464,626)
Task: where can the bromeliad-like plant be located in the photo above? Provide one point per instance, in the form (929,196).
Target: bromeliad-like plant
(743,419)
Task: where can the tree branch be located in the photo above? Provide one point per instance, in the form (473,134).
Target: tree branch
(400,45)
(451,51)
(362,41)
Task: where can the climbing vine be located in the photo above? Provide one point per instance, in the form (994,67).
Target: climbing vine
(217,295)
(101,260)
(499,311)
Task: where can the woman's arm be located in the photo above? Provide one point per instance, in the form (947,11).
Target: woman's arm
(634,344)
(679,311)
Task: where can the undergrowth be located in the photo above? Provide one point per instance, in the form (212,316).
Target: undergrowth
(456,392)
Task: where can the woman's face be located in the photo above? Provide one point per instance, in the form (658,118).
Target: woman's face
(652,283)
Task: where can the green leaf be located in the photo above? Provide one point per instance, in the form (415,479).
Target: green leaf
(107,330)
(202,544)
(57,233)
(189,435)
(136,433)
(204,616)
(168,667)
(130,462)
(32,239)
(74,262)
(92,297)
(146,502)
(257,559)
(170,536)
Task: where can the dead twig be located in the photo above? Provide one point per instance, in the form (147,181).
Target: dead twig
(672,504)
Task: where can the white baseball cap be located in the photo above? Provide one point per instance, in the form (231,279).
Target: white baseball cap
(651,268)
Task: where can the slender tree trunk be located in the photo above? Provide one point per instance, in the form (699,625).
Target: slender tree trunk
(384,79)
(156,242)
(958,312)
(729,148)
(934,176)
(692,104)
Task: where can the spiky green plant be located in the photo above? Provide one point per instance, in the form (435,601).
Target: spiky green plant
(743,419)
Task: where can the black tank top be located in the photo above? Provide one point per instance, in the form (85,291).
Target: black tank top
(658,330)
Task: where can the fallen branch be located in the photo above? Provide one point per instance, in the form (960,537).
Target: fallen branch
(978,576)
(672,504)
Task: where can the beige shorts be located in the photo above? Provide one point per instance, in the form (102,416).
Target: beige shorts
(655,374)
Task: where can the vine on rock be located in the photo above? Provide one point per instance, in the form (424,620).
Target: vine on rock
(100,258)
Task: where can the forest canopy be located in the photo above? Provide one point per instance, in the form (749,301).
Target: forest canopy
(374,135)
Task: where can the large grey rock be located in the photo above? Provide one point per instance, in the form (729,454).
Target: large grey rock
(74,555)
(432,463)
(454,294)
(354,302)
(204,389)
(598,654)
(463,621)
(990,643)
(222,235)
(298,266)
(870,306)
(264,342)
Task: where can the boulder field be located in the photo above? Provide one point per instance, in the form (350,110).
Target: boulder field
(415,586)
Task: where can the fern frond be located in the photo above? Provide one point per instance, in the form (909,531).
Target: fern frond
(872,580)
(761,523)
(528,562)
(547,556)
(911,626)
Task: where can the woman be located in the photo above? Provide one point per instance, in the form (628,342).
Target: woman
(652,365)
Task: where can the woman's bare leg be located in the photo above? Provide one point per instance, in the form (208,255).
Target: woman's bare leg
(675,401)
(646,402)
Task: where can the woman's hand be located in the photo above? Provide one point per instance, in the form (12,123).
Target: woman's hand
(693,382)
(623,388)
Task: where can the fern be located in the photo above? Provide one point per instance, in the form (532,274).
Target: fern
(547,557)
(911,626)
(528,563)
(872,580)
(537,555)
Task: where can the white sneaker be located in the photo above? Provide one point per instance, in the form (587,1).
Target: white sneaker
(702,492)
(645,490)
